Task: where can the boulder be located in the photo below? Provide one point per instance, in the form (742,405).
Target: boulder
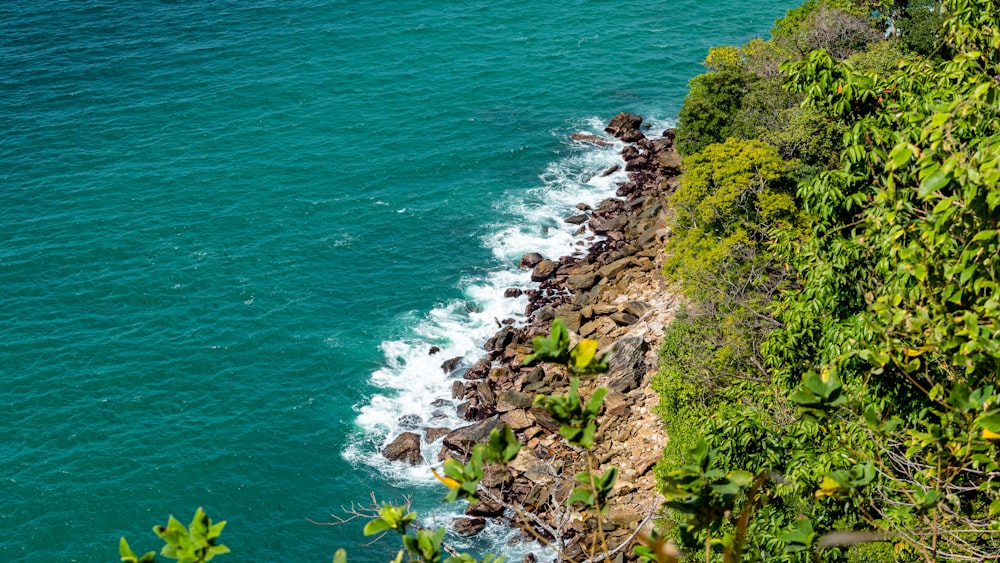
(501,339)
(517,419)
(467,527)
(670,161)
(512,292)
(624,319)
(510,400)
(636,308)
(610,170)
(449,366)
(577,219)
(431,434)
(462,439)
(626,370)
(577,282)
(543,270)
(590,139)
(406,447)
(528,261)
(457,390)
(485,392)
(625,126)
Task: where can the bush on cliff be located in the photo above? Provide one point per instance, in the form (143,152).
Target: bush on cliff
(876,415)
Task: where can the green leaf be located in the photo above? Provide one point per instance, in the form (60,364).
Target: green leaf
(340,556)
(900,156)
(376,526)
(933,183)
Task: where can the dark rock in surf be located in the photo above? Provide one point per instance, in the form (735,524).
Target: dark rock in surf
(625,126)
(406,447)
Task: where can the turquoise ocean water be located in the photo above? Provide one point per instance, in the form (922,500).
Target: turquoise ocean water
(231,231)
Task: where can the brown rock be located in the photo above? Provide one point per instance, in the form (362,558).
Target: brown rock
(510,400)
(485,392)
(625,126)
(636,308)
(590,139)
(529,260)
(624,319)
(543,270)
(501,339)
(462,439)
(612,270)
(517,419)
(572,320)
(467,527)
(431,434)
(577,219)
(512,292)
(457,390)
(610,170)
(578,282)
(406,447)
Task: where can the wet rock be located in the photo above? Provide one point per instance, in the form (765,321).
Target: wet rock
(502,338)
(406,448)
(467,527)
(457,390)
(625,126)
(433,350)
(410,421)
(431,434)
(479,370)
(512,292)
(543,270)
(528,261)
(590,139)
(485,508)
(584,206)
(449,366)
(610,170)
(577,219)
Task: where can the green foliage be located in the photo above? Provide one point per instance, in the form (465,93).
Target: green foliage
(594,489)
(702,492)
(196,543)
(129,556)
(462,479)
(391,517)
(577,420)
(730,196)
(898,286)
(707,114)
(921,29)
(581,360)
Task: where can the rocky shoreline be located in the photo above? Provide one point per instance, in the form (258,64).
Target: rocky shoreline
(614,293)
